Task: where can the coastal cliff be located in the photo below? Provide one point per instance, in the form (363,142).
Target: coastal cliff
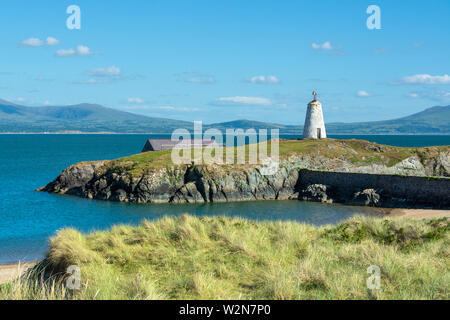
(149,177)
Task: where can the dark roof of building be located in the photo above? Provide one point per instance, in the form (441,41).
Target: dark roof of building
(168,144)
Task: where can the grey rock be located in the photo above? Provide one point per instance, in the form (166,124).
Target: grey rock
(317,193)
(119,195)
(367,197)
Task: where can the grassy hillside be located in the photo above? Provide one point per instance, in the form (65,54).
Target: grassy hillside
(358,152)
(231,258)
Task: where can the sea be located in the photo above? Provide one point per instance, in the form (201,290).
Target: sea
(28,219)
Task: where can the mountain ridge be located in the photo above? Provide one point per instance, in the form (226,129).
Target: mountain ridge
(95,118)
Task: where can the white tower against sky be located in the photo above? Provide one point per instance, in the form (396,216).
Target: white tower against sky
(314,126)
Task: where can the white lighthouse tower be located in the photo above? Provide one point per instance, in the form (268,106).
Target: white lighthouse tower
(314,125)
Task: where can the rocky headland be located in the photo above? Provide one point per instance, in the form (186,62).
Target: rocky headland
(344,171)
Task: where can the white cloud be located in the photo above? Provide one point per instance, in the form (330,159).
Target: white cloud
(324,46)
(265,79)
(50,41)
(413,95)
(441,96)
(191,76)
(92,81)
(187,109)
(143,108)
(166,108)
(78,52)
(426,79)
(112,71)
(66,53)
(36,42)
(83,51)
(363,94)
(135,100)
(32,42)
(170,108)
(21,99)
(102,75)
(200,80)
(251,101)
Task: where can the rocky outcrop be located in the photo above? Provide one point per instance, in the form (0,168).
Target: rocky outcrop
(338,181)
(367,197)
(317,193)
(181,184)
(74,179)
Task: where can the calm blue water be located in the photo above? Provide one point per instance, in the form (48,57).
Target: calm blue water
(28,218)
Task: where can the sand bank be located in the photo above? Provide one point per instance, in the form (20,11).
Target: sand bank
(417,213)
(9,272)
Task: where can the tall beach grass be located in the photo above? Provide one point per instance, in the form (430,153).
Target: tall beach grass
(231,258)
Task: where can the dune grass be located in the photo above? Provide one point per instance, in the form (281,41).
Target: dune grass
(231,258)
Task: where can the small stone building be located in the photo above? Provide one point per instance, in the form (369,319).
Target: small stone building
(168,144)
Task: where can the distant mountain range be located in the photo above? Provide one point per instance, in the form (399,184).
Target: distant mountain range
(95,118)
(81,117)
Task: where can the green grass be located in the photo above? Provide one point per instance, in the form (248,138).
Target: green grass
(231,258)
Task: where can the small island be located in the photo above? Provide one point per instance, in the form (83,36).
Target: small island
(327,170)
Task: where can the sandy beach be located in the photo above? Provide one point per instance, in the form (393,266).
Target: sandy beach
(9,272)
(417,213)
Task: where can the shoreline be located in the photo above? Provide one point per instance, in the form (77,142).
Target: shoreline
(416,213)
(11,271)
(169,133)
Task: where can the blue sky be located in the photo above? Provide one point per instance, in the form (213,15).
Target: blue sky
(224,60)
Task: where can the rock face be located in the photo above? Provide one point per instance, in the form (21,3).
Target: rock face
(213,183)
(189,184)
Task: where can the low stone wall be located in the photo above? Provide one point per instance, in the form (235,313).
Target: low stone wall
(410,190)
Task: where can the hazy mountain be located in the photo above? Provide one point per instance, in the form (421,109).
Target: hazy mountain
(95,118)
(82,117)
(432,120)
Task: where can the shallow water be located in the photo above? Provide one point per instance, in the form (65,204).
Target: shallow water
(28,218)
